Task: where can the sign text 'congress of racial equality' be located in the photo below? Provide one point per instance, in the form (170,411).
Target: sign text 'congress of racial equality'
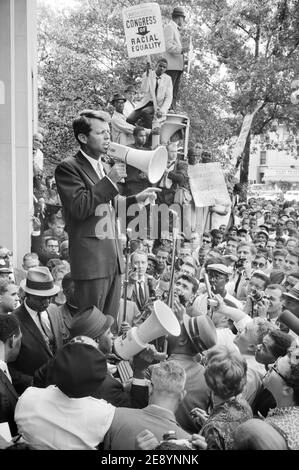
(143,30)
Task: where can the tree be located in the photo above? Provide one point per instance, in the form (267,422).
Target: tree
(258,43)
(83,60)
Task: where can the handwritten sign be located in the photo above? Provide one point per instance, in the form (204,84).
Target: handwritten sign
(207,184)
(143,30)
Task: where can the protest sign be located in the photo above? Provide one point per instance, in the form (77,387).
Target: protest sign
(143,30)
(239,147)
(207,184)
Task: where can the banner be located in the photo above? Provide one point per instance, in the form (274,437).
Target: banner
(143,30)
(239,147)
(207,184)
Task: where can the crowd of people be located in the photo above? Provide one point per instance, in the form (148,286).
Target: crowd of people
(230,380)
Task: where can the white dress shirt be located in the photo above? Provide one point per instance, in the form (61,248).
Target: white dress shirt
(4,368)
(98,167)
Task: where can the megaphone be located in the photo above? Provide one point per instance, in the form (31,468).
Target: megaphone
(161,322)
(152,162)
(295,97)
(173,123)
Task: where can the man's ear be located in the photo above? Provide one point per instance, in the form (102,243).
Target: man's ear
(82,138)
(287,391)
(11,342)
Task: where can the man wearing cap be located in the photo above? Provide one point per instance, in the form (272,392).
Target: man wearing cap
(121,130)
(160,84)
(129,106)
(218,275)
(42,330)
(290,309)
(175,50)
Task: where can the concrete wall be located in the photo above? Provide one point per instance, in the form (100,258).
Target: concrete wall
(18,114)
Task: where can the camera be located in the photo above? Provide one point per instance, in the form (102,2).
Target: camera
(240,263)
(256,295)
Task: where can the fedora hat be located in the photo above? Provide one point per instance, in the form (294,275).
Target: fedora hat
(39,281)
(78,368)
(201,330)
(220,268)
(178,11)
(293,292)
(117,97)
(91,323)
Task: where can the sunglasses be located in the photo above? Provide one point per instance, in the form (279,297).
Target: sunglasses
(274,367)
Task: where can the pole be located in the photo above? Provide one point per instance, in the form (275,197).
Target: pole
(126,280)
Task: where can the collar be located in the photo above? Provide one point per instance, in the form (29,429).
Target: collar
(142,279)
(4,368)
(92,161)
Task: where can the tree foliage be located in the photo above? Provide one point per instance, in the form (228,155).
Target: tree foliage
(246,53)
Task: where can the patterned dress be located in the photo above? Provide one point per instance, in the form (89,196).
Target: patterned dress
(224,419)
(286,421)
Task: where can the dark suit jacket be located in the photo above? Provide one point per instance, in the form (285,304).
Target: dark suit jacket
(85,199)
(34,350)
(127,423)
(149,285)
(8,401)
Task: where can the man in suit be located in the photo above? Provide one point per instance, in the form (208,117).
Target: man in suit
(42,330)
(141,286)
(10,343)
(174,50)
(167,390)
(158,84)
(86,193)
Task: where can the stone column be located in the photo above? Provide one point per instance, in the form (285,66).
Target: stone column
(17,112)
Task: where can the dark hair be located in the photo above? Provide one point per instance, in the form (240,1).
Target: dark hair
(49,239)
(162,59)
(9,326)
(261,276)
(280,252)
(192,280)
(282,342)
(66,281)
(137,130)
(82,125)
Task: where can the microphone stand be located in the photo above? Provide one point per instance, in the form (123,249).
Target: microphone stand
(126,280)
(172,271)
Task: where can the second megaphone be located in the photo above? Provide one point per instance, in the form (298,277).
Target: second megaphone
(151,162)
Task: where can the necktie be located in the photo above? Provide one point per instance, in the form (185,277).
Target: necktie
(46,326)
(157,84)
(100,168)
(237,283)
(141,293)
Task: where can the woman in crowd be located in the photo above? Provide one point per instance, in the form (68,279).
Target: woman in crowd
(225,374)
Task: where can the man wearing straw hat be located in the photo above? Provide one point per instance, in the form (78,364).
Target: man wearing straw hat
(42,330)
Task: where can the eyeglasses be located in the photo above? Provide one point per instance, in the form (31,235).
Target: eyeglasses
(274,367)
(255,264)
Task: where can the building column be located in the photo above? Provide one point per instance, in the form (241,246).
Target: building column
(18,112)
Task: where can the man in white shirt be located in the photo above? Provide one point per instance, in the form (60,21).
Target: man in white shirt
(130,94)
(175,50)
(121,130)
(66,416)
(156,84)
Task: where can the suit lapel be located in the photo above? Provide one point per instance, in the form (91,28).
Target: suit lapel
(7,383)
(29,324)
(87,168)
(55,328)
